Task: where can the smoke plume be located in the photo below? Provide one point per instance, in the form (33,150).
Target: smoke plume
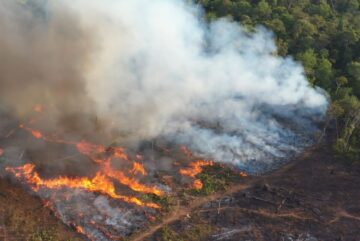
(156,70)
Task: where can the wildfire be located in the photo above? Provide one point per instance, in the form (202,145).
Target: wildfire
(80,229)
(132,183)
(119,152)
(138,168)
(35,133)
(93,150)
(187,151)
(243,174)
(198,184)
(194,169)
(108,176)
(90,149)
(100,183)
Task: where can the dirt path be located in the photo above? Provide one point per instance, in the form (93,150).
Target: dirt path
(181,211)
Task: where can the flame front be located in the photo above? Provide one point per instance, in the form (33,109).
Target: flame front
(132,183)
(138,168)
(108,178)
(100,183)
(195,169)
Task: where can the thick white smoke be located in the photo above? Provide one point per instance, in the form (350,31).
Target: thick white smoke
(160,71)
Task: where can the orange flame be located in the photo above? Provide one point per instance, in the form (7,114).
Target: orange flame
(35,133)
(243,174)
(90,149)
(132,183)
(138,168)
(198,184)
(80,229)
(119,152)
(194,169)
(100,183)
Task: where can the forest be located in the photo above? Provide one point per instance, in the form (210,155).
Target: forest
(324,36)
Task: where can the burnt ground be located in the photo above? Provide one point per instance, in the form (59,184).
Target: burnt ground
(315,197)
(23,217)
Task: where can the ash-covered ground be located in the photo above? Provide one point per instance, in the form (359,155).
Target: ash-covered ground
(313,198)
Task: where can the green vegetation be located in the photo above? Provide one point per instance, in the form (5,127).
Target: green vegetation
(44,235)
(215,178)
(22,224)
(169,235)
(166,201)
(324,35)
(195,232)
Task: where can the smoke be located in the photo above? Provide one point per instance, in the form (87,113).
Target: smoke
(43,61)
(151,70)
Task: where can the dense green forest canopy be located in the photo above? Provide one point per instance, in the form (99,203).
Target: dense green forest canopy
(322,34)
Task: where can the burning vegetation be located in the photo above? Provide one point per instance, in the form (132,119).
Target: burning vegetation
(111,132)
(195,169)
(121,178)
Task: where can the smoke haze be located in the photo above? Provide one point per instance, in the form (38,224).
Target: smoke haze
(149,70)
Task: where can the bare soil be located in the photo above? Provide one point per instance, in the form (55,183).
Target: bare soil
(24,217)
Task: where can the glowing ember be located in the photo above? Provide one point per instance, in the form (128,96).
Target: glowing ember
(39,108)
(187,152)
(198,184)
(100,183)
(80,229)
(243,174)
(35,133)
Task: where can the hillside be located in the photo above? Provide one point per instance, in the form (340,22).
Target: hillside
(180,120)
(315,197)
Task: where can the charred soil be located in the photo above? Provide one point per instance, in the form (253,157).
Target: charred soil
(314,197)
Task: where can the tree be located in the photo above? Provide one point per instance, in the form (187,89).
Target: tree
(324,73)
(263,9)
(324,35)
(353,70)
(309,60)
(340,81)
